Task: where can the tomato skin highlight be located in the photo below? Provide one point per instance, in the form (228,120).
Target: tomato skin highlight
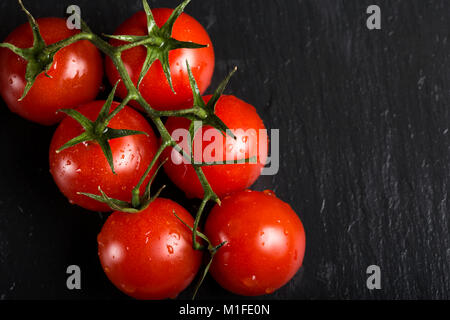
(83,167)
(76,72)
(227,178)
(154,87)
(149,255)
(265,243)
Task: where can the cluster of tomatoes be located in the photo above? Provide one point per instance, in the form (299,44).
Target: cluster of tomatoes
(258,240)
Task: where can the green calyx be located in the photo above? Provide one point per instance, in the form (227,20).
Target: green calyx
(205,112)
(98,130)
(158,42)
(39,57)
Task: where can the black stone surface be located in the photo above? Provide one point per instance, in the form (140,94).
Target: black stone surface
(364,123)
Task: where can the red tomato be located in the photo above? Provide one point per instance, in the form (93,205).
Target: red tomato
(226,178)
(149,255)
(76,73)
(154,87)
(265,242)
(83,167)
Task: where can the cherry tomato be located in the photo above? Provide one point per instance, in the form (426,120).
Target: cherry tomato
(239,116)
(83,167)
(149,255)
(265,242)
(76,74)
(154,87)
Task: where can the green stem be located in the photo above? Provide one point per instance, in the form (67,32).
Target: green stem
(135,201)
(196,245)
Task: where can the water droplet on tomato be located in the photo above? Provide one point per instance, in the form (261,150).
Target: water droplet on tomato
(175,235)
(170,249)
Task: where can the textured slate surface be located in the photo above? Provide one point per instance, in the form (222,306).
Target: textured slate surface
(364,118)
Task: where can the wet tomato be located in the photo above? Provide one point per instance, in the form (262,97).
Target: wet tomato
(83,167)
(76,74)
(149,255)
(154,87)
(251,141)
(265,242)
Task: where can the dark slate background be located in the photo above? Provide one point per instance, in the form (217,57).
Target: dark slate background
(364,118)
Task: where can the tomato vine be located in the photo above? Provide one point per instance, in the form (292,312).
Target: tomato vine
(158,43)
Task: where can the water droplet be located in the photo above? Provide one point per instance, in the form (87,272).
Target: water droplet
(230,147)
(269,192)
(68,163)
(244,139)
(170,249)
(175,235)
(286,232)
